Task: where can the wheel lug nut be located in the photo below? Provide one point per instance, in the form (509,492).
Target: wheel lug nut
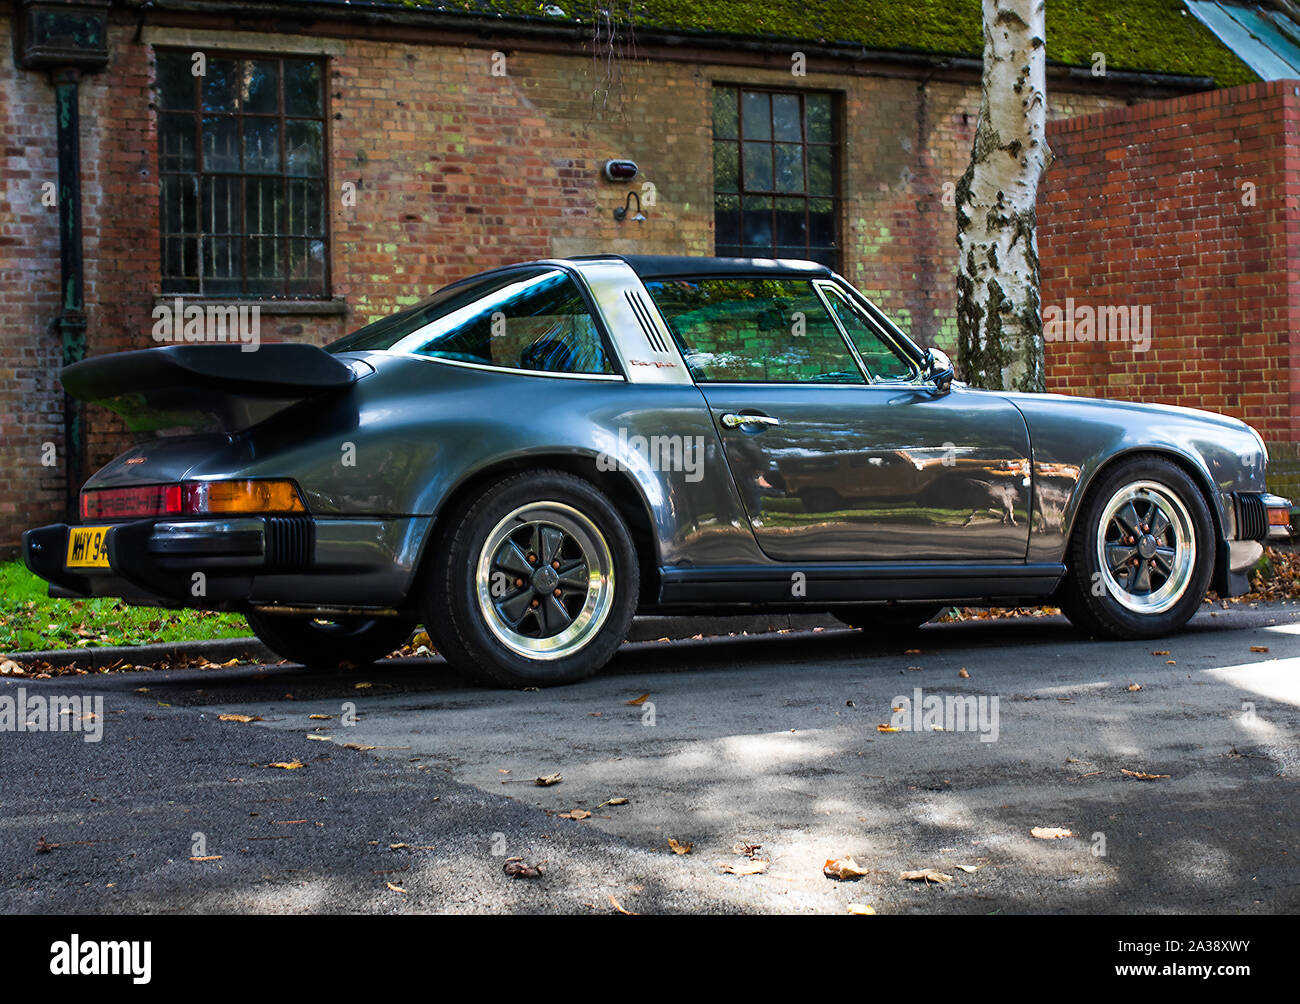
(557,592)
(534,604)
(555,564)
(519,582)
(532,559)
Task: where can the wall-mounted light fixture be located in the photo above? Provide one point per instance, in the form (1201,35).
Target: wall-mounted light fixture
(620,213)
(620,170)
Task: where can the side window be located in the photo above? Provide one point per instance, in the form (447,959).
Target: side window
(882,359)
(755,331)
(534,320)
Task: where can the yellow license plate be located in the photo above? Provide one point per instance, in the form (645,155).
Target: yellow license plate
(88,547)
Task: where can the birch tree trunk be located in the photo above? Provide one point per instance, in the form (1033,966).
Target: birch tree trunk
(999,317)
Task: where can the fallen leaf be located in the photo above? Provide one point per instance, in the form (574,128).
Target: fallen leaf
(209,857)
(1171,662)
(1259,648)
(43,846)
(678,848)
(1050,832)
(549,779)
(751,867)
(1134,687)
(619,907)
(843,868)
(747,850)
(925,875)
(321,739)
(395,888)
(1141,776)
(862,909)
(289,765)
(969,868)
(639,700)
(320,718)
(963,674)
(515,868)
(576,814)
(888,728)
(358,746)
(362,686)
(394,847)
(612,801)
(1163,651)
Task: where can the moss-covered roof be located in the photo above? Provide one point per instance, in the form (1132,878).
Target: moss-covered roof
(1157,36)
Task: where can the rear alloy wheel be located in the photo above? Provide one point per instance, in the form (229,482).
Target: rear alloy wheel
(534,583)
(1142,553)
(881,621)
(330,644)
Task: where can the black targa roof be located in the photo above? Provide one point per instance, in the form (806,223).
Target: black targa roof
(649,266)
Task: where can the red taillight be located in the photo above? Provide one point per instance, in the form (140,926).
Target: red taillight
(194,498)
(131,503)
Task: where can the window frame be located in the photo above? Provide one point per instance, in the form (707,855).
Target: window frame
(843,290)
(602,328)
(836,147)
(866,380)
(323,60)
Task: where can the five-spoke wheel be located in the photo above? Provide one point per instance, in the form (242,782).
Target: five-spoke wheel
(1142,552)
(545,580)
(533,583)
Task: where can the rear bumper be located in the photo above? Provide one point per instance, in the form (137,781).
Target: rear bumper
(236,563)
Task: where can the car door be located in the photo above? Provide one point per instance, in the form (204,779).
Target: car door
(838,450)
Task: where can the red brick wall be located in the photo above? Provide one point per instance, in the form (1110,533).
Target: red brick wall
(1150,206)
(456,170)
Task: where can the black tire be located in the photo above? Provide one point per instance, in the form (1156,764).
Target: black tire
(1151,581)
(888,621)
(330,644)
(570,627)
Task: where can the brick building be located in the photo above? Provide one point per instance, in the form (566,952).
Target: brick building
(333,161)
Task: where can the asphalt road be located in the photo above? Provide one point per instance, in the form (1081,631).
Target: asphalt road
(770,741)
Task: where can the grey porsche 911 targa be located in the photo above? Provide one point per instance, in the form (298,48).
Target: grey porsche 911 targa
(529,457)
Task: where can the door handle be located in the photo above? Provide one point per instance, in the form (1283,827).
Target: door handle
(733,421)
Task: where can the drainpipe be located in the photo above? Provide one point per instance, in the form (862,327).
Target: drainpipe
(71,321)
(67,38)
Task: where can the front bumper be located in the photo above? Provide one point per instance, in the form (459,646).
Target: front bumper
(238,562)
(1254,524)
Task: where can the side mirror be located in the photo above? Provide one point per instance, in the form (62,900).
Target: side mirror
(939,370)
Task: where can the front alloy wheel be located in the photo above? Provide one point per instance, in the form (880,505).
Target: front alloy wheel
(1147,548)
(1142,553)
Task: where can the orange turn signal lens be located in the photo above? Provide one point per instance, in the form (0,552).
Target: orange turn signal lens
(244,496)
(1279,517)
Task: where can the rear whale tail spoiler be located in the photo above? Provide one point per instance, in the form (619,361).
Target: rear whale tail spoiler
(206,385)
